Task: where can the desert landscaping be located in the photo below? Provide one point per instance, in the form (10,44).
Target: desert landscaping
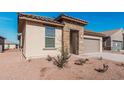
(15,67)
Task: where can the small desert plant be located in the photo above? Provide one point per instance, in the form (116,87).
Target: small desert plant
(121,64)
(62,59)
(49,58)
(81,61)
(102,70)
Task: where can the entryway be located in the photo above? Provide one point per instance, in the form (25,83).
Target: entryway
(74,42)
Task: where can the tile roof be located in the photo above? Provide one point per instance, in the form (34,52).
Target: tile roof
(46,19)
(52,20)
(89,32)
(110,32)
(71,18)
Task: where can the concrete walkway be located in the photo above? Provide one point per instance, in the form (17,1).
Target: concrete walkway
(107,55)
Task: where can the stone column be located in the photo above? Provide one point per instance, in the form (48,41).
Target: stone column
(81,40)
(66,39)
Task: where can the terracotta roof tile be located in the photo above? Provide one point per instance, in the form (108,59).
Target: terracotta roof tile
(74,19)
(110,32)
(47,19)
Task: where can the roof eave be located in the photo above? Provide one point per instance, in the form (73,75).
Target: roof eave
(72,19)
(2,37)
(44,22)
(94,34)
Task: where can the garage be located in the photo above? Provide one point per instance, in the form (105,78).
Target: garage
(91,45)
(1,44)
(92,42)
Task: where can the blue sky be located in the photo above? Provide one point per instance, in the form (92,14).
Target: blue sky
(8,26)
(97,21)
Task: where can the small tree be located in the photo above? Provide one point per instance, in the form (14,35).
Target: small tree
(62,59)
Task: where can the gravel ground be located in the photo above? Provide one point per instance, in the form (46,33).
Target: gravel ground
(13,67)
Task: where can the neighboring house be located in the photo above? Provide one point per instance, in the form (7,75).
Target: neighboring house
(113,40)
(41,36)
(9,45)
(1,44)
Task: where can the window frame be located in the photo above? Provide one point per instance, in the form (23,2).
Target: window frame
(49,37)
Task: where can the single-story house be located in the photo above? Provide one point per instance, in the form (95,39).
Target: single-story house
(41,36)
(113,40)
(1,44)
(9,45)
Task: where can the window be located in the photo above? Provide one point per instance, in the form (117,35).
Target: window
(49,37)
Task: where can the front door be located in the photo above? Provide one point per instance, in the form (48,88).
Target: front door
(74,41)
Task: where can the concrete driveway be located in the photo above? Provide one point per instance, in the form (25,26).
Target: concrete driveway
(107,55)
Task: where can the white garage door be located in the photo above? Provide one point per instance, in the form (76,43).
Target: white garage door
(91,45)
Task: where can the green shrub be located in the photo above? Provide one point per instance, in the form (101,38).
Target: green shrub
(62,59)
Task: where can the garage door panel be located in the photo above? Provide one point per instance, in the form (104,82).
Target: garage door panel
(91,45)
(117,45)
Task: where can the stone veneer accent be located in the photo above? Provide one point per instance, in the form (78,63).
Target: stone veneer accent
(66,35)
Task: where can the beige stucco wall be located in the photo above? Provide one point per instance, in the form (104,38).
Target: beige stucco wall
(95,37)
(35,41)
